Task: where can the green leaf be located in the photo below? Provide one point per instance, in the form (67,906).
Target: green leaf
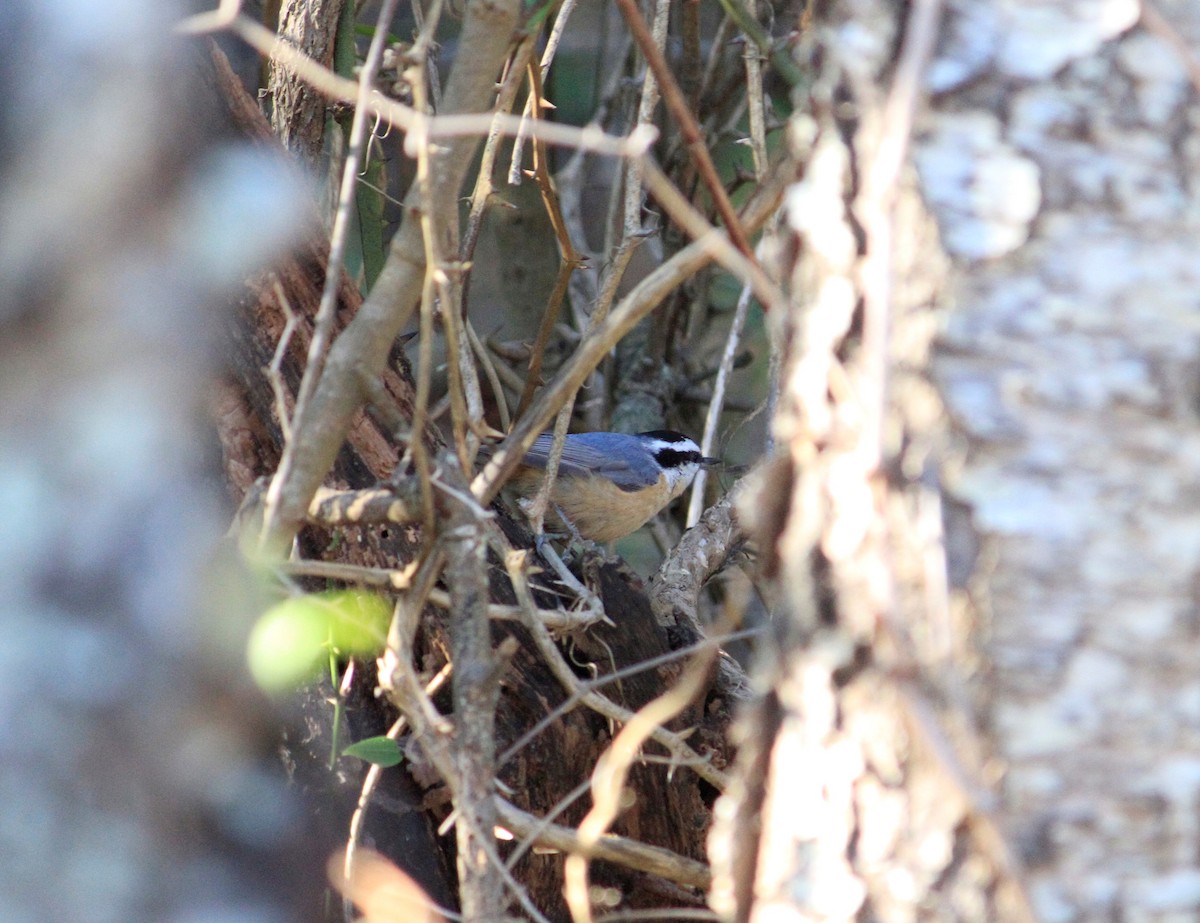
(291,641)
(382,751)
(287,645)
(369,203)
(358,621)
(366,30)
(538,15)
(724,291)
(345,50)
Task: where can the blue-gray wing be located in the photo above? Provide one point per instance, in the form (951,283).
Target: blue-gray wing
(620,458)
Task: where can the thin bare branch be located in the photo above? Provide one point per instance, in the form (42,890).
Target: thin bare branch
(425,46)
(612,769)
(713,418)
(674,743)
(756,109)
(677,105)
(688,217)
(691,914)
(484,187)
(712,66)
(546,328)
(340,235)
(651,94)
(532,105)
(637,304)
(530,840)
(383,578)
(571,702)
(553,619)
(443,127)
(570,258)
(275,370)
(609,848)
(489,371)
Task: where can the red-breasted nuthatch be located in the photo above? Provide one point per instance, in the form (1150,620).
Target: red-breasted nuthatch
(610,484)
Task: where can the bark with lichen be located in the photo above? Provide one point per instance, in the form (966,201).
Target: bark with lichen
(855,792)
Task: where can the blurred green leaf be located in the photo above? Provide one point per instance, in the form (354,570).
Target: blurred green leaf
(287,645)
(538,14)
(366,30)
(291,641)
(359,621)
(382,751)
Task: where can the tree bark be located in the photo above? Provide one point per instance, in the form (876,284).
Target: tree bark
(298,112)
(857,792)
(1069,366)
(1015,742)
(140,777)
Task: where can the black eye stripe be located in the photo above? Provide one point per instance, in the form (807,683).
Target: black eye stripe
(671,458)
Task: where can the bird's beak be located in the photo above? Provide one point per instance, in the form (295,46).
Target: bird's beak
(706,462)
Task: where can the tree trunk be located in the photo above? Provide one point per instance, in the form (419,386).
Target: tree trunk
(856,792)
(1014,742)
(140,777)
(299,113)
(1069,367)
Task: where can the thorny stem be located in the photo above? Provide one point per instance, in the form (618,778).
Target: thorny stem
(338,241)
(484,188)
(531,104)
(677,105)
(363,347)
(636,305)
(756,108)
(569,256)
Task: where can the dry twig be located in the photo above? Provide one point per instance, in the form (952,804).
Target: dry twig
(636,305)
(755,104)
(674,743)
(612,769)
(340,236)
(533,103)
(620,850)
(678,107)
(716,403)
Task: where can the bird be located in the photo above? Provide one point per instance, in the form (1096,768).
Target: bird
(610,484)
